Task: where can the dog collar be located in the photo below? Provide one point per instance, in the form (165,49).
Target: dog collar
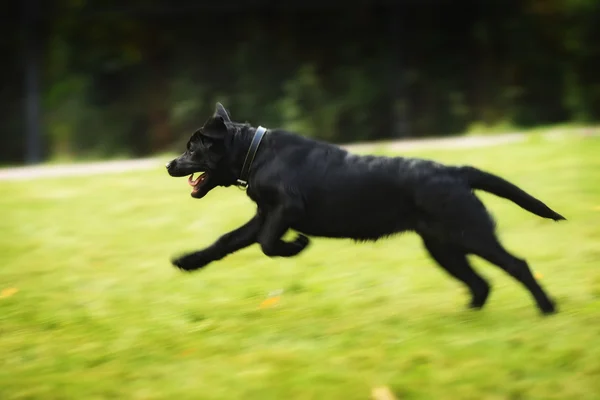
(242,181)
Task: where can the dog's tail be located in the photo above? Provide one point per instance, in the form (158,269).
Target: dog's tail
(491,183)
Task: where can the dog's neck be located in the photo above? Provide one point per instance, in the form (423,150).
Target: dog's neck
(242,181)
(239,146)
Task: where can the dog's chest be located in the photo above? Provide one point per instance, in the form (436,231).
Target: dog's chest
(264,199)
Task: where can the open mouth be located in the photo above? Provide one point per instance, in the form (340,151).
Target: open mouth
(196,184)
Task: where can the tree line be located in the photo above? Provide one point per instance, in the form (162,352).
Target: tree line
(134,78)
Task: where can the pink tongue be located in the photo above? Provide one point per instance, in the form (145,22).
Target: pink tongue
(194,182)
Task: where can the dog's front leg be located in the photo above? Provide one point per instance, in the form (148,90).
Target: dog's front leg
(277,222)
(229,243)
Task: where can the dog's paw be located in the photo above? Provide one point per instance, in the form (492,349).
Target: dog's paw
(298,244)
(301,241)
(549,308)
(192,261)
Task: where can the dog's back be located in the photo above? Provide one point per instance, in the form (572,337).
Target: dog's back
(348,195)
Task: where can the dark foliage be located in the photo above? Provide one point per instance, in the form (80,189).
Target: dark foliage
(133,77)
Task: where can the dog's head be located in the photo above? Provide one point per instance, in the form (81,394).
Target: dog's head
(206,153)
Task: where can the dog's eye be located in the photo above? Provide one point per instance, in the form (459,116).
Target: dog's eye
(205,143)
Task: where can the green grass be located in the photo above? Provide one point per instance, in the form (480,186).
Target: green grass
(100,313)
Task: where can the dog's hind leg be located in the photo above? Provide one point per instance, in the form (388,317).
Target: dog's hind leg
(454,261)
(457,216)
(488,247)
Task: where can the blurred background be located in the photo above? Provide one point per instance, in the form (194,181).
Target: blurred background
(90,305)
(102,78)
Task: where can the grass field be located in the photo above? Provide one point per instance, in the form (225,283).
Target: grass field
(90,307)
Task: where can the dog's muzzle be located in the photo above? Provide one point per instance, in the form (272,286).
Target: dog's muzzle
(169,165)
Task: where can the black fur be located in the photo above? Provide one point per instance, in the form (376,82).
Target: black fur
(319,189)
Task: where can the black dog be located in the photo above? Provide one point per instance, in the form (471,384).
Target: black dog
(319,189)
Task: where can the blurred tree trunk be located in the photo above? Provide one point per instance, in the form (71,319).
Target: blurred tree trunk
(482,67)
(158,93)
(32,60)
(399,100)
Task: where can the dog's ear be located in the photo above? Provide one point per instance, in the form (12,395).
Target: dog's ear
(220,111)
(214,128)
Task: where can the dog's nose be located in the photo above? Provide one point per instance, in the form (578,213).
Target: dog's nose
(168,164)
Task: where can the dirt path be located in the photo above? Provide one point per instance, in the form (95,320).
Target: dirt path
(105,167)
